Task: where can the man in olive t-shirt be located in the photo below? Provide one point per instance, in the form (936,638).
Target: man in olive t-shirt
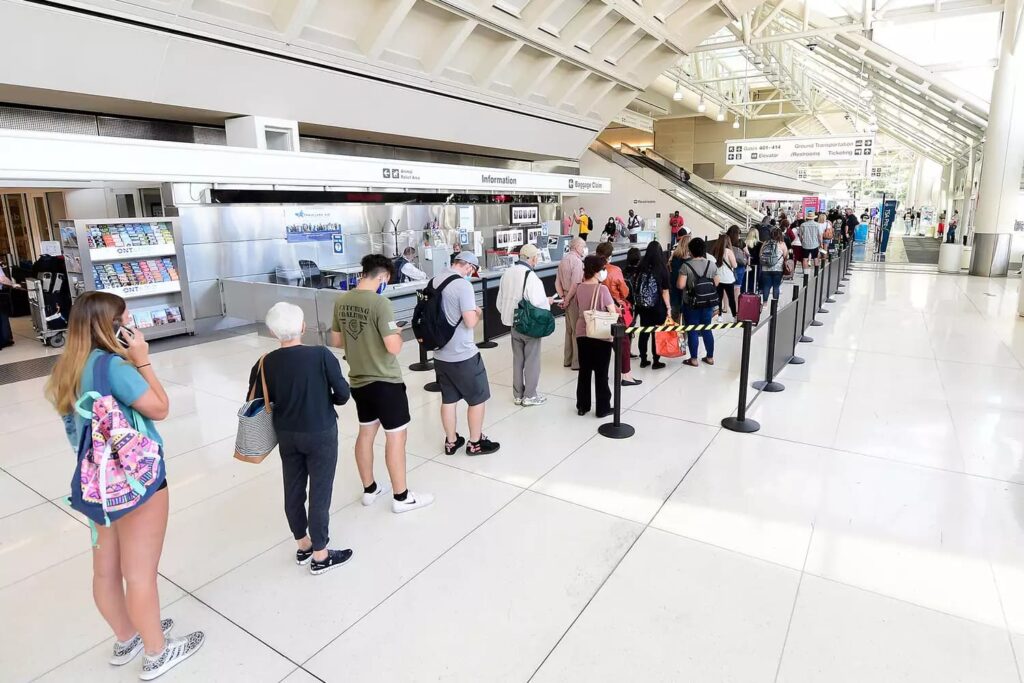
(364,325)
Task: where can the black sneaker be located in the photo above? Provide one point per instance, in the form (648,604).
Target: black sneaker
(303,556)
(644,363)
(658,365)
(335,558)
(450,448)
(482,447)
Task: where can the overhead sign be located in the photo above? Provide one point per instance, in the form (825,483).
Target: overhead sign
(776,150)
(28,156)
(830,173)
(632,119)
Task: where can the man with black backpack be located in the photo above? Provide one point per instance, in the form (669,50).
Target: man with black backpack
(364,325)
(698,278)
(452,312)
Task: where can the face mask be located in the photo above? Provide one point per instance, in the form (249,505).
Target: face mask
(585,251)
(381,287)
(601,275)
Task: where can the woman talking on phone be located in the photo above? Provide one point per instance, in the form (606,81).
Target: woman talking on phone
(127,552)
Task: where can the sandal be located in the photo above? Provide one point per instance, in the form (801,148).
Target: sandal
(692,362)
(709,361)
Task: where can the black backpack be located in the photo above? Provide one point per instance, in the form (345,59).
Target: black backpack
(701,291)
(398,277)
(429,323)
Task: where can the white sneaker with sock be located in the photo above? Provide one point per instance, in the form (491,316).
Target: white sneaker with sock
(382,490)
(176,651)
(413,501)
(130,649)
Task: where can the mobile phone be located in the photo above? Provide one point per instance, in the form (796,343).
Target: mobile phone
(120,332)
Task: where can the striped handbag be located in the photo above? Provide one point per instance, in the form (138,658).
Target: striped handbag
(256,437)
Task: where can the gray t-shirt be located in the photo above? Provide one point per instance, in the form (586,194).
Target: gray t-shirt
(456,299)
(810,235)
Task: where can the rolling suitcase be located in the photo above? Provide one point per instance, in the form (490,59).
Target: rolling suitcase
(749,306)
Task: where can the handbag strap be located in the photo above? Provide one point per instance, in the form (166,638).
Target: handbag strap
(525,278)
(263,382)
(593,302)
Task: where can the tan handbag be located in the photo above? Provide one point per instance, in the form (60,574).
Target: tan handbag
(599,323)
(256,437)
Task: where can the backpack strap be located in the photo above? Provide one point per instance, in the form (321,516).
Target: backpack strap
(446,282)
(101,374)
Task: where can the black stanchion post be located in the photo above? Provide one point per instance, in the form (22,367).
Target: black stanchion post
(797,332)
(848,262)
(768,384)
(424,363)
(823,284)
(486,343)
(740,423)
(616,429)
(828,280)
(803,338)
(813,303)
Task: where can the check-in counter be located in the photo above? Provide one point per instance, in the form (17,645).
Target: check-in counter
(248,299)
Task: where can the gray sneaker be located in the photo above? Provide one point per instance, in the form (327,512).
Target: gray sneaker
(176,651)
(126,652)
(537,400)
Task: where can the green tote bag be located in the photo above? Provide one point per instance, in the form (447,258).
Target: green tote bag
(529,320)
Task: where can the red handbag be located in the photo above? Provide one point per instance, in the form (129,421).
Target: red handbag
(668,344)
(626,312)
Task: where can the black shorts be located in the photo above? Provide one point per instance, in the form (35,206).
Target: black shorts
(810,254)
(383,402)
(465,380)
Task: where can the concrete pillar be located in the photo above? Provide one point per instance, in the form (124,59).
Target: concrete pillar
(1003,157)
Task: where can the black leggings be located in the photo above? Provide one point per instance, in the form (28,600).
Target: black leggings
(650,316)
(729,292)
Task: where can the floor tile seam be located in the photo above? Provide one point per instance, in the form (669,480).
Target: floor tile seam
(613,569)
(1006,621)
(885,459)
(61,505)
(413,577)
(717,424)
(796,600)
(904,601)
(956,432)
(24,509)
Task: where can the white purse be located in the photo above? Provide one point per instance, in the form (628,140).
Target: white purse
(599,323)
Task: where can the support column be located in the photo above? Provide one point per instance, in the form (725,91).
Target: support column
(1003,157)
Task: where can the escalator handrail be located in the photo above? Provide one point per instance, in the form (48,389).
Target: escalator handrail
(701,184)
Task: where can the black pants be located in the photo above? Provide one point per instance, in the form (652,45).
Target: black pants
(309,457)
(650,316)
(729,292)
(595,360)
(6,336)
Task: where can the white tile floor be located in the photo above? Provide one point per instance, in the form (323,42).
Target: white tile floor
(872,531)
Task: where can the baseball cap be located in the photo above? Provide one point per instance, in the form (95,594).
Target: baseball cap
(528,251)
(468,257)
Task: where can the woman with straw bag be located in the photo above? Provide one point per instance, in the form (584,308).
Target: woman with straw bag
(301,386)
(594,337)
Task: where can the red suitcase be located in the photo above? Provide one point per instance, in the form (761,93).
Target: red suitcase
(749,306)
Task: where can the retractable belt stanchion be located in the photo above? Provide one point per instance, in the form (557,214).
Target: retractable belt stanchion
(798,325)
(828,279)
(822,290)
(813,303)
(616,429)
(741,423)
(848,263)
(773,327)
(803,338)
(841,265)
(424,363)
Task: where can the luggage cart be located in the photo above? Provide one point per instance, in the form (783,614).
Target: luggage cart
(49,322)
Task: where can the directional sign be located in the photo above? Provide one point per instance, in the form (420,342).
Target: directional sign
(782,149)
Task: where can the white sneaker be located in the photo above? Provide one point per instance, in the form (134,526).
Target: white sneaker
(537,400)
(126,652)
(517,401)
(413,501)
(176,651)
(382,490)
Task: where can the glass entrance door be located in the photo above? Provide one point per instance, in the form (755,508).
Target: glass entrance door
(42,218)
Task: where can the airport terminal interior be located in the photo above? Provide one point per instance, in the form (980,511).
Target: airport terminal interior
(815,481)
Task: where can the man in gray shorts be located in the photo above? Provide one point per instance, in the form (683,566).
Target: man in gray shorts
(459,367)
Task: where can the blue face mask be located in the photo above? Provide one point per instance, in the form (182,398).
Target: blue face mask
(381,287)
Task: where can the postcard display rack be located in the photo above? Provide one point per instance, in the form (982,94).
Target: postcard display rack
(140,260)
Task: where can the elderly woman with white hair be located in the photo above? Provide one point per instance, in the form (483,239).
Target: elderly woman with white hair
(304,384)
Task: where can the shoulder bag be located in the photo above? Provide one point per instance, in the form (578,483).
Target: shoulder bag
(256,436)
(599,323)
(529,320)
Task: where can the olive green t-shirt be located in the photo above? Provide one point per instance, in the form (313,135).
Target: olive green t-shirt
(364,319)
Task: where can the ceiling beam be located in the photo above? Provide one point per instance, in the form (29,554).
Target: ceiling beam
(778,37)
(383,26)
(291,16)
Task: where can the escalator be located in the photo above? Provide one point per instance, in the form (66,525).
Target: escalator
(736,210)
(712,217)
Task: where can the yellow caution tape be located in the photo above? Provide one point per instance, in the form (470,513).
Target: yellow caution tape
(684,328)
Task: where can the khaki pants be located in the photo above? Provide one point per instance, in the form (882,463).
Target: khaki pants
(525,365)
(571,358)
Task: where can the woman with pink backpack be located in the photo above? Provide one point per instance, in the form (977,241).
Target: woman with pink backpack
(105,388)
